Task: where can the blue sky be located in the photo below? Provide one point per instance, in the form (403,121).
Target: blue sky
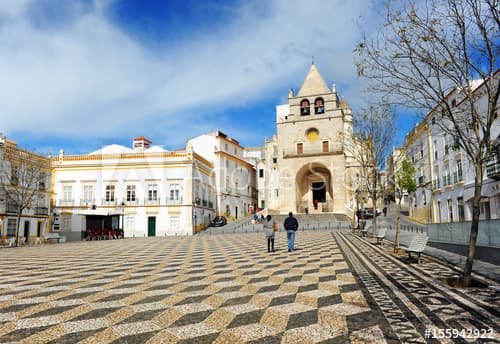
(77,75)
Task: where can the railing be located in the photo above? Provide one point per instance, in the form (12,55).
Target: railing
(109,201)
(493,170)
(152,201)
(41,211)
(66,202)
(306,151)
(11,207)
(87,202)
(130,202)
(174,201)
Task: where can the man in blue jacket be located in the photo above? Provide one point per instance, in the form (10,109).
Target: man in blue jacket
(291,225)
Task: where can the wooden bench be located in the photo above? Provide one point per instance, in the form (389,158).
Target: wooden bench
(381,235)
(52,236)
(417,245)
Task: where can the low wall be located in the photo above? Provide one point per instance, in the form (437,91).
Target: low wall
(458,233)
(483,253)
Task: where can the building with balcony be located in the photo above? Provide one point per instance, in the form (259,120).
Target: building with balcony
(444,175)
(305,167)
(144,191)
(235,184)
(24,192)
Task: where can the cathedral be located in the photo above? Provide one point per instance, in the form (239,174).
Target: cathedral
(306,168)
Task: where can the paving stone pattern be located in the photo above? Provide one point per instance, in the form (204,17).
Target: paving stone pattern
(335,288)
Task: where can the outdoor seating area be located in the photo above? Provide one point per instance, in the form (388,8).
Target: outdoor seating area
(103,234)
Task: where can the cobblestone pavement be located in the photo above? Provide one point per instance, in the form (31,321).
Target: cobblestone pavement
(336,287)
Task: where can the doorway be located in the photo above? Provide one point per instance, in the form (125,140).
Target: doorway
(319,192)
(26,230)
(39,229)
(151,226)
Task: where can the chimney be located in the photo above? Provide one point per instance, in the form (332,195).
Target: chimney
(141,143)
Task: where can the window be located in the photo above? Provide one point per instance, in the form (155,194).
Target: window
(261,173)
(41,181)
(66,222)
(88,193)
(174,192)
(11,227)
(459,170)
(110,193)
(460,208)
(319,106)
(152,192)
(275,160)
(67,193)
(227,184)
(325,146)
(300,148)
(276,192)
(130,193)
(14,175)
(433,121)
(304,107)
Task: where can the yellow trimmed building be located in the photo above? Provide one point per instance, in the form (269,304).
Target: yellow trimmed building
(24,179)
(141,191)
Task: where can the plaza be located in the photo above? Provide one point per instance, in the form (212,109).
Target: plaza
(226,288)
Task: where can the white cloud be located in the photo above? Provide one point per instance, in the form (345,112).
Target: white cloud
(93,79)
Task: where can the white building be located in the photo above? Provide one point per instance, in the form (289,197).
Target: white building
(235,185)
(24,179)
(445,177)
(144,191)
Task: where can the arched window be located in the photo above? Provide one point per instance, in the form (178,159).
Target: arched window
(304,107)
(319,106)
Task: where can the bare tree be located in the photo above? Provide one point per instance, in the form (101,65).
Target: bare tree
(22,180)
(427,50)
(374,131)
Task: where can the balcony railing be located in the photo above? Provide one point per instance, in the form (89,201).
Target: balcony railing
(174,201)
(41,211)
(308,151)
(87,202)
(66,202)
(11,207)
(493,170)
(152,201)
(130,201)
(109,201)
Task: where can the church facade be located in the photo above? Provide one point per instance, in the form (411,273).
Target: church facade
(306,168)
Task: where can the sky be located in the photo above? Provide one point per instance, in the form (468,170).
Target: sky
(80,74)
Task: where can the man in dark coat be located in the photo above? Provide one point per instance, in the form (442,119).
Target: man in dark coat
(291,225)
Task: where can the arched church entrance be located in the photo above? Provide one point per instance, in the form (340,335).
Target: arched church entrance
(314,188)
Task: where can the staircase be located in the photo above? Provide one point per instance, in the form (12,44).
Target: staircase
(306,222)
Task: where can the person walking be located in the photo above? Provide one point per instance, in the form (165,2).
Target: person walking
(291,225)
(269,230)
